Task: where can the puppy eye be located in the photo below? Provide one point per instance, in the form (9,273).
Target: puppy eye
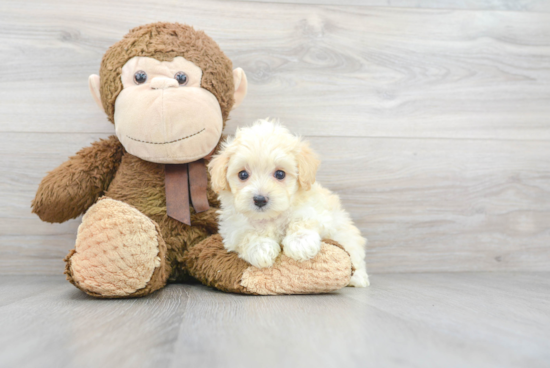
(279,174)
(243,175)
(181,77)
(140,77)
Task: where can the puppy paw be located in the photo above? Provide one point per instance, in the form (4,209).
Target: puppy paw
(359,279)
(302,245)
(262,253)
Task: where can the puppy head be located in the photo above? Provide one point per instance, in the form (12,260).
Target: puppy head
(262,168)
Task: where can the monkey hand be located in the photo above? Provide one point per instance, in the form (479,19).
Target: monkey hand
(210,263)
(70,189)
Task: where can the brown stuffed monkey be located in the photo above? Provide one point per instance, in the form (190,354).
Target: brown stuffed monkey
(149,212)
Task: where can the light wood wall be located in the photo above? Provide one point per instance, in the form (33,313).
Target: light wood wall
(432,118)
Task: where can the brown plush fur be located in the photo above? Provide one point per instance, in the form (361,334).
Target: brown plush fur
(69,190)
(106,169)
(164,42)
(141,184)
(214,266)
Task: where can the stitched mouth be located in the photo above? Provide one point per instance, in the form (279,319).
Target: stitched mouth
(175,140)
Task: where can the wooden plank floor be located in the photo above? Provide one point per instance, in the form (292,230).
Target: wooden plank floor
(403,320)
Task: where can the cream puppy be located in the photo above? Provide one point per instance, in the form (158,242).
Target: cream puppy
(265,179)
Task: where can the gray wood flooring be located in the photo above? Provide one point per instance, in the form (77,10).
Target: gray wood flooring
(402,320)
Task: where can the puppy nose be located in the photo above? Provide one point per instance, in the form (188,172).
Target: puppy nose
(163,83)
(260,201)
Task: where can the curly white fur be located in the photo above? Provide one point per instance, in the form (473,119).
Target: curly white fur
(299,211)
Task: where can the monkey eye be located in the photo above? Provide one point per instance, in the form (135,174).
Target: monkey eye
(243,175)
(279,174)
(140,77)
(181,77)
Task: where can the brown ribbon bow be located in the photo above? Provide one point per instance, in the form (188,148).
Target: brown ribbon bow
(184,181)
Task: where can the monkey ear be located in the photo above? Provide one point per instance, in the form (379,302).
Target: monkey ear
(241,85)
(93,83)
(308,163)
(218,171)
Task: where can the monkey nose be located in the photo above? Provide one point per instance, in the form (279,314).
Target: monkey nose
(163,83)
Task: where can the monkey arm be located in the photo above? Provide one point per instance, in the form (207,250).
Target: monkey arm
(70,189)
(210,263)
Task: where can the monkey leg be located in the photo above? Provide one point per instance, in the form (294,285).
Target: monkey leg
(119,252)
(213,265)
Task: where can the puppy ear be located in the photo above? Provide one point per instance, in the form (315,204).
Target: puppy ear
(218,171)
(308,163)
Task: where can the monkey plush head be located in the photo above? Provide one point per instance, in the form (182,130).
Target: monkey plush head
(168,89)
